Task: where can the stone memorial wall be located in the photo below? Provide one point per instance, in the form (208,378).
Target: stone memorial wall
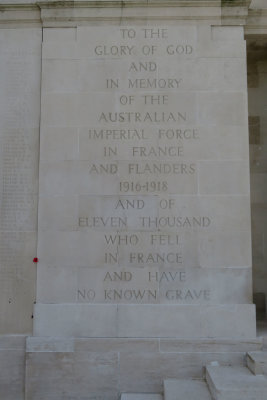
(144,182)
(125,175)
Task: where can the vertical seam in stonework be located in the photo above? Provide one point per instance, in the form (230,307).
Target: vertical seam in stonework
(117,319)
(119,375)
(198,162)
(38,163)
(117,252)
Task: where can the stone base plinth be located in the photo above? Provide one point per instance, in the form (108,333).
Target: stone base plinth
(146,320)
(95,368)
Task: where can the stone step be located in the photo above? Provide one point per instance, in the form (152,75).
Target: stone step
(257,362)
(235,383)
(141,396)
(182,389)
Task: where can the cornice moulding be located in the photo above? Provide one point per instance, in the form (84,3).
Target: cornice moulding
(128,3)
(256,22)
(55,11)
(123,3)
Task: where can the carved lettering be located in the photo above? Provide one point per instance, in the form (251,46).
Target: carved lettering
(142,117)
(123,276)
(161,168)
(164,240)
(150,66)
(103,50)
(151,187)
(117,134)
(145,137)
(169,276)
(175,222)
(103,169)
(130,294)
(179,49)
(188,295)
(84,294)
(122,239)
(152,33)
(160,151)
(128,204)
(112,83)
(110,151)
(100,222)
(153,258)
(184,134)
(154,83)
(158,99)
(111,258)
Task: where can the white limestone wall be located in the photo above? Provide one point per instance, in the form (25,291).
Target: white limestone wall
(97,368)
(84,231)
(20,69)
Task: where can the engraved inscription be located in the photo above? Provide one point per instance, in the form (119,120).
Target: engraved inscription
(174,288)
(139,139)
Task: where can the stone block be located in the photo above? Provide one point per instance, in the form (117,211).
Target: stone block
(227,33)
(12,342)
(49,345)
(165,284)
(82,109)
(67,375)
(141,396)
(235,250)
(180,389)
(136,320)
(235,383)
(59,34)
(147,371)
(208,250)
(12,364)
(120,345)
(70,320)
(172,320)
(257,362)
(220,48)
(210,345)
(226,109)
(224,178)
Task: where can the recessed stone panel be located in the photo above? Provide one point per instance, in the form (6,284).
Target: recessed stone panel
(144,193)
